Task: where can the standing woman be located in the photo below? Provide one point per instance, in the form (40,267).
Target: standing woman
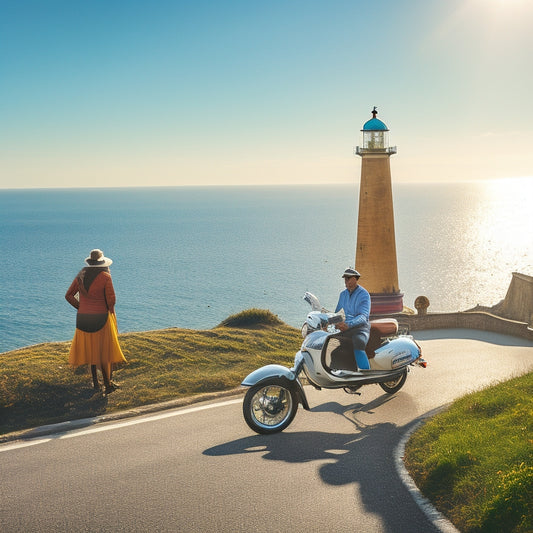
(95,341)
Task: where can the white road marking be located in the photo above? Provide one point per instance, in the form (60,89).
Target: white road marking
(117,425)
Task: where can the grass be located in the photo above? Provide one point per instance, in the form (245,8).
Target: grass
(474,461)
(37,386)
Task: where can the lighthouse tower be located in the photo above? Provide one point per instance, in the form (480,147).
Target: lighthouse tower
(375,255)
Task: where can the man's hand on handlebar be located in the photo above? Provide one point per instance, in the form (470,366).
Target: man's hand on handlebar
(342,326)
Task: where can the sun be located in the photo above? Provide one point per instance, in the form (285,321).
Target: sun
(514,4)
(501,4)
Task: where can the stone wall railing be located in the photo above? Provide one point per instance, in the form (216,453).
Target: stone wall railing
(464,320)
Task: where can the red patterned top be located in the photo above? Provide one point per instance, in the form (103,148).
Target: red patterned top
(99,299)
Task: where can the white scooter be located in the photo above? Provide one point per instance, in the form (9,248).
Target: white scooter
(327,359)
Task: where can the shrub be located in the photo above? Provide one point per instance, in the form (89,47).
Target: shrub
(251,318)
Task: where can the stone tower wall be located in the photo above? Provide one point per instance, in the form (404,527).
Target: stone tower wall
(375,256)
(518,303)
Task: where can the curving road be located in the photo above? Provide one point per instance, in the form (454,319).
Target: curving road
(200,469)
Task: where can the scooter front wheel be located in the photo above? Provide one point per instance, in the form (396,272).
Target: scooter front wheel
(394,385)
(269,407)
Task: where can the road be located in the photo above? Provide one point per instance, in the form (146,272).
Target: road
(200,468)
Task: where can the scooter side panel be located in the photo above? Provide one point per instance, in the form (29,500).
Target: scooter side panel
(396,354)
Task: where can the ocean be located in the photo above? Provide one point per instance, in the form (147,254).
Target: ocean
(189,257)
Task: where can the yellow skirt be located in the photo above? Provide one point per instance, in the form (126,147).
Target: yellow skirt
(100,348)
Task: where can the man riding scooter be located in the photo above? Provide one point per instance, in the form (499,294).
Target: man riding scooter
(355,301)
(275,391)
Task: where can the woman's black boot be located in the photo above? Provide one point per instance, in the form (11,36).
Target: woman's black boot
(96,383)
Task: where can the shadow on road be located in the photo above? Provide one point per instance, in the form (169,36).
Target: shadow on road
(363,457)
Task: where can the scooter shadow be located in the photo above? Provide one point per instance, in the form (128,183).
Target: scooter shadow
(341,409)
(364,458)
(302,447)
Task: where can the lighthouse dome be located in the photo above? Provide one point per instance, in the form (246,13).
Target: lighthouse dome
(374,124)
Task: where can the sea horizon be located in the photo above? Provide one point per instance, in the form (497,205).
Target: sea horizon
(271,185)
(189,257)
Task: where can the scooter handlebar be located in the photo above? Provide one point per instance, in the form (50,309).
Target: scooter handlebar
(337,318)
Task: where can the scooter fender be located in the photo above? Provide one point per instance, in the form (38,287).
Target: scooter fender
(286,376)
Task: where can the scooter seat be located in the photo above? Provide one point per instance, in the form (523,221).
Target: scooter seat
(384,326)
(379,328)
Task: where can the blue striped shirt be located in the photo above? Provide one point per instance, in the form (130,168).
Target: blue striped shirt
(356,306)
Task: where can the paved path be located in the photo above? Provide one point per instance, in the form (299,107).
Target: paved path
(200,468)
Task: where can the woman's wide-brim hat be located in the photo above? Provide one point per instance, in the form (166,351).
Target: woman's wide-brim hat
(97,259)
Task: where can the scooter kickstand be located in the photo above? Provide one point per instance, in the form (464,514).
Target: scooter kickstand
(352,390)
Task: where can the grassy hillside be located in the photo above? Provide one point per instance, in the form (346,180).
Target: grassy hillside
(37,386)
(475,461)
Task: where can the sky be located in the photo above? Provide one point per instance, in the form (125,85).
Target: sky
(112,93)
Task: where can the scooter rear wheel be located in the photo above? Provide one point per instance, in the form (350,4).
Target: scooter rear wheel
(394,385)
(269,407)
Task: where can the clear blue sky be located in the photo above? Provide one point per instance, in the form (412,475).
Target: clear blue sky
(138,92)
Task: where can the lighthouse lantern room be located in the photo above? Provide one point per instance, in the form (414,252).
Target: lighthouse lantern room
(375,137)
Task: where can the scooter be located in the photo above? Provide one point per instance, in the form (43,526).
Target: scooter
(326,358)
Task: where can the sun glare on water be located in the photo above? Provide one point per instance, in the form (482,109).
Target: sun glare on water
(503,225)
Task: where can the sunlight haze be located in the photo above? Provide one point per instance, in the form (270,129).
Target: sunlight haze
(138,93)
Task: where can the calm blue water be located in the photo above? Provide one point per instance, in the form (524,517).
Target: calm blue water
(190,257)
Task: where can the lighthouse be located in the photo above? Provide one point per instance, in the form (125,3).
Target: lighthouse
(375,255)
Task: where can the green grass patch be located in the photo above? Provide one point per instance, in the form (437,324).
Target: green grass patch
(474,461)
(37,385)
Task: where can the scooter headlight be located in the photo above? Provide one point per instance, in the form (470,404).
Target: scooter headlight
(305,331)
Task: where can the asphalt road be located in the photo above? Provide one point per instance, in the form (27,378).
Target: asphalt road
(201,469)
